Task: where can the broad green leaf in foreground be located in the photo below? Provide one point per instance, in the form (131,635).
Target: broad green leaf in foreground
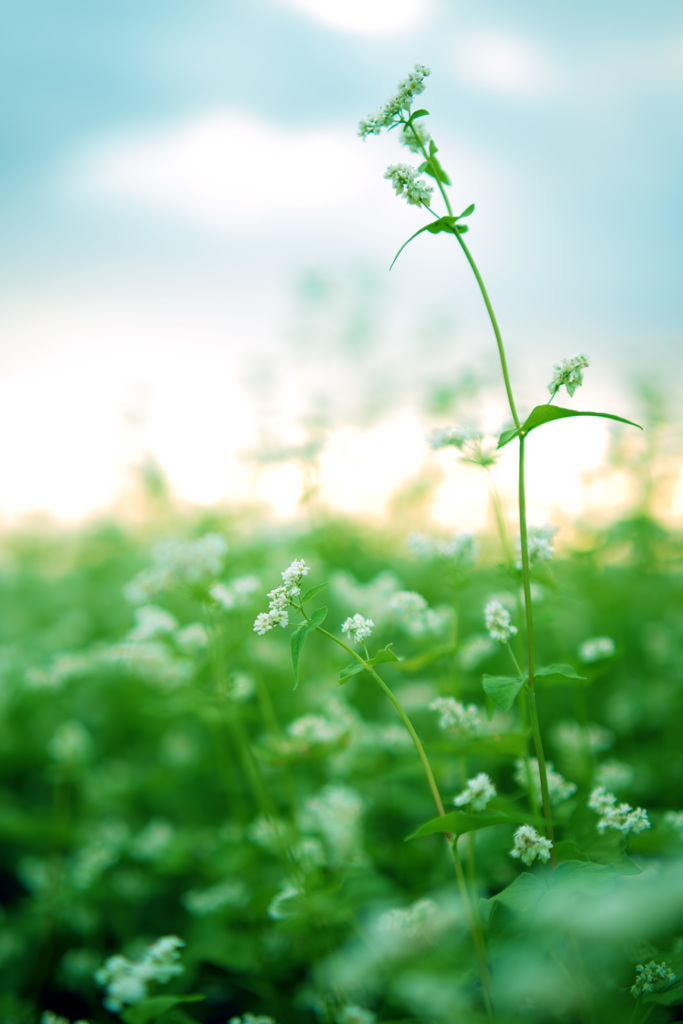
(458,823)
(153,1008)
(547,413)
(299,636)
(503,690)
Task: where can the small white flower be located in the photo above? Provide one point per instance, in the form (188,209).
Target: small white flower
(478,792)
(358,628)
(559,789)
(407,183)
(294,573)
(394,109)
(497,619)
(616,817)
(280,598)
(454,715)
(651,977)
(568,373)
(529,845)
(539,544)
(596,649)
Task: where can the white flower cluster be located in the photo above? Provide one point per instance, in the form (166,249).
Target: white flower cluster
(568,373)
(268,833)
(280,598)
(497,619)
(461,548)
(178,562)
(573,738)
(478,792)
(596,649)
(529,845)
(615,817)
(614,775)
(674,819)
(71,743)
(358,628)
(335,813)
(312,729)
(446,437)
(126,981)
(539,544)
(455,715)
(231,892)
(407,183)
(410,920)
(651,977)
(235,593)
(400,104)
(414,614)
(150,623)
(559,789)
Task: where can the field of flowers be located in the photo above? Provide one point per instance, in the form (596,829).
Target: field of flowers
(187,836)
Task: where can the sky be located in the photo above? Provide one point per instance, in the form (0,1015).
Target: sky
(195,243)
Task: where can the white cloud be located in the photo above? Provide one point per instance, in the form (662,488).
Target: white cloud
(371,17)
(227,169)
(502,63)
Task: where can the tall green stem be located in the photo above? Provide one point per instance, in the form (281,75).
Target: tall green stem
(531,659)
(472,915)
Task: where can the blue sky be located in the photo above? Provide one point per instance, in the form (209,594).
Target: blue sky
(173,172)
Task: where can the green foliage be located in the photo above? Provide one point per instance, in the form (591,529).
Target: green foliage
(542,414)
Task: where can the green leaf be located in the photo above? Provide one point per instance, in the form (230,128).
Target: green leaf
(352,669)
(433,148)
(442,224)
(298,639)
(313,591)
(503,690)
(546,413)
(462,229)
(507,436)
(468,211)
(523,894)
(155,1007)
(669,997)
(433,168)
(317,618)
(458,823)
(418,113)
(558,673)
(383,656)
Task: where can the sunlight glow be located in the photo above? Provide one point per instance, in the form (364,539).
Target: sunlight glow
(225,169)
(369,17)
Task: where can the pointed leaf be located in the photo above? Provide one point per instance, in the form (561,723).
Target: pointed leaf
(383,656)
(556,673)
(352,669)
(503,690)
(153,1008)
(442,224)
(507,436)
(296,643)
(458,823)
(298,638)
(313,591)
(317,618)
(546,413)
(433,148)
(468,211)
(419,113)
